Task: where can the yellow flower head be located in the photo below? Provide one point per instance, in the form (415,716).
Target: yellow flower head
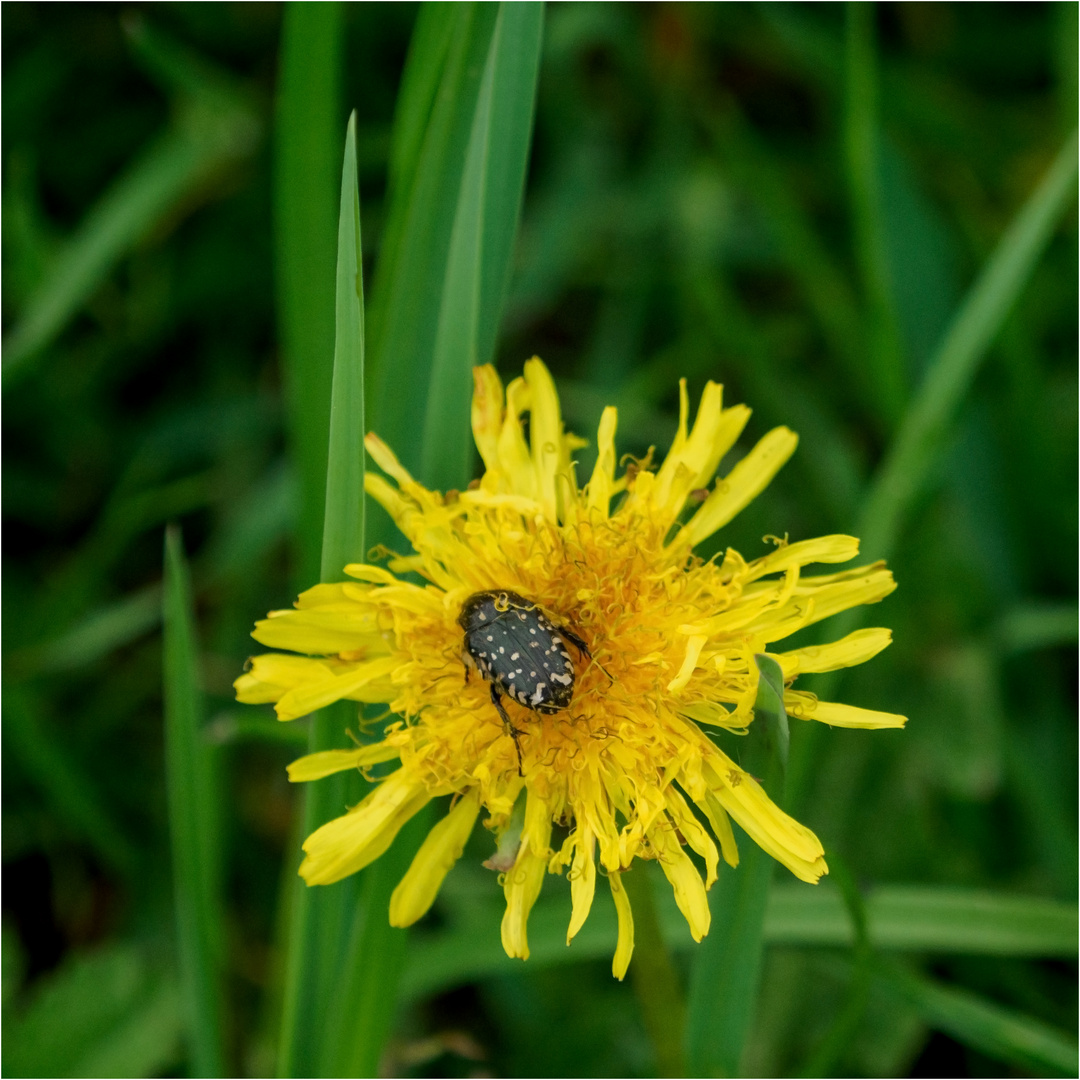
(670,643)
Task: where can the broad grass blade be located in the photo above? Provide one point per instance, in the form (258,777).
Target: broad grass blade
(481,242)
(194,821)
(900,919)
(307,139)
(458,159)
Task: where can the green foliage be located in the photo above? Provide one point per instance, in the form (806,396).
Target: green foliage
(861,220)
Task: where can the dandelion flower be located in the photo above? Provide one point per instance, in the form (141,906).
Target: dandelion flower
(627,767)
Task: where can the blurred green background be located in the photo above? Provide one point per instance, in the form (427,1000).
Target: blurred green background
(699,203)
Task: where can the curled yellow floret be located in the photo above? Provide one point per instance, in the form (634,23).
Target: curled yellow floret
(671,644)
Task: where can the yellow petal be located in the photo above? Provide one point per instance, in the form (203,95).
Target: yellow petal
(536,829)
(806,707)
(387,460)
(487,414)
(316,695)
(602,484)
(744,483)
(400,509)
(327,762)
(822,549)
(515,461)
(764,822)
(582,880)
(679,869)
(416,891)
(691,462)
(816,598)
(856,648)
(721,827)
(273,675)
(545,435)
(341,628)
(521,884)
(692,831)
(694,645)
(625,948)
(322,595)
(349,843)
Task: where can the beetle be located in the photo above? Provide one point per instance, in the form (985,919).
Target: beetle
(520,652)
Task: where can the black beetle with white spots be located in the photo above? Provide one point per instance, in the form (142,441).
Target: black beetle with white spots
(520,652)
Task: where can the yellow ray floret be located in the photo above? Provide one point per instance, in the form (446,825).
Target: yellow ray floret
(626,770)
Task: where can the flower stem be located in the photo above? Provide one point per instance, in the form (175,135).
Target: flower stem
(655,981)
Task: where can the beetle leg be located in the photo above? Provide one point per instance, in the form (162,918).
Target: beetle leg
(512,731)
(468,662)
(575,641)
(583,649)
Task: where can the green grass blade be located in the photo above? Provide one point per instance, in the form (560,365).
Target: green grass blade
(411,280)
(993,1030)
(343,521)
(318,921)
(953,367)
(727,968)
(918,918)
(902,918)
(1037,626)
(373,959)
(152,185)
(92,637)
(823,1059)
(194,820)
(428,47)
(306,145)
(481,244)
(861,137)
